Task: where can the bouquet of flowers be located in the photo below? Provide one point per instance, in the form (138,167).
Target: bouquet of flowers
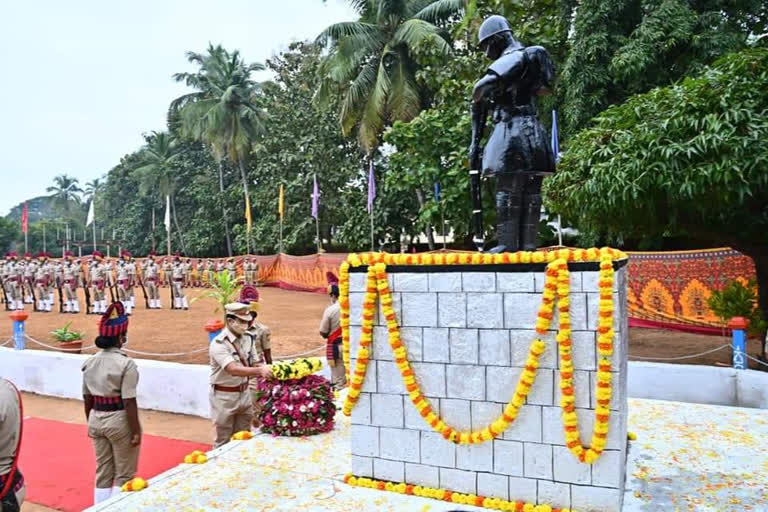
(296,368)
(296,407)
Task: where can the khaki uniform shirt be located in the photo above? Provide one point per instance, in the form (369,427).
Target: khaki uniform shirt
(262,339)
(14,270)
(9,425)
(58,269)
(222,353)
(150,272)
(178,271)
(331,319)
(122,273)
(98,273)
(110,372)
(30,268)
(130,268)
(71,273)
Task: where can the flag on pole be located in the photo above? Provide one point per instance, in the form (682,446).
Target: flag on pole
(167,221)
(248,219)
(555,143)
(437,192)
(25,218)
(89,219)
(315,198)
(280,203)
(371,188)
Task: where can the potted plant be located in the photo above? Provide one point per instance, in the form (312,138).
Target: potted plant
(736,299)
(225,289)
(68,339)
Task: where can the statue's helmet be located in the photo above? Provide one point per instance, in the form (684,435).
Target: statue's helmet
(491,26)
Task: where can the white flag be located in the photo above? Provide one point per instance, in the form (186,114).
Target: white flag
(89,219)
(168,213)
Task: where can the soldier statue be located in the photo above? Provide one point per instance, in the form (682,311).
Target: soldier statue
(518,152)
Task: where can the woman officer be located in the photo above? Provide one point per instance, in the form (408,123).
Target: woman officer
(109,394)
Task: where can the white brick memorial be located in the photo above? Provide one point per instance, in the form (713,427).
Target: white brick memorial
(467,330)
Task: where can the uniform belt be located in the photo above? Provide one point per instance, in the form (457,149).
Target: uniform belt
(178,279)
(108,403)
(507,113)
(231,389)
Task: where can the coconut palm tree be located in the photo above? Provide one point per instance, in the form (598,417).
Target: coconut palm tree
(156,174)
(371,61)
(222,112)
(91,188)
(65,193)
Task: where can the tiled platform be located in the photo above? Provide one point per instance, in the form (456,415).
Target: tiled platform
(687,457)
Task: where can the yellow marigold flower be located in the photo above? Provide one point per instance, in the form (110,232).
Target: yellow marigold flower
(525,257)
(603,393)
(518,401)
(498,258)
(543,508)
(538,347)
(463,258)
(528,507)
(363,352)
(488,258)
(591,457)
(464,438)
(631,436)
(571,436)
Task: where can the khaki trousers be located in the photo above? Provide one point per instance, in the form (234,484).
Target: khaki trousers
(116,458)
(152,290)
(231,412)
(338,375)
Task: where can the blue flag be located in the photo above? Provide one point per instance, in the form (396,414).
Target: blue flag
(555,144)
(437,192)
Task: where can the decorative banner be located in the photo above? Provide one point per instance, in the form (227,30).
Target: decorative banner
(24,218)
(248,220)
(315,198)
(670,289)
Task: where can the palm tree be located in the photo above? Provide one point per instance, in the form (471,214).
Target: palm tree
(91,188)
(65,192)
(222,112)
(371,61)
(156,174)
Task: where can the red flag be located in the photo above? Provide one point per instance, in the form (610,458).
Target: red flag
(24,219)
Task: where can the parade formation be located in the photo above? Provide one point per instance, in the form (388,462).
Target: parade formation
(42,282)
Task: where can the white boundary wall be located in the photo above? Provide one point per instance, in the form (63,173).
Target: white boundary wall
(183,388)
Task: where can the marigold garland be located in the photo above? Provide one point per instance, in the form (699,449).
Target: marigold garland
(296,368)
(556,290)
(449,496)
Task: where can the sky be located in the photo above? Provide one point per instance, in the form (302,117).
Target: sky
(82,80)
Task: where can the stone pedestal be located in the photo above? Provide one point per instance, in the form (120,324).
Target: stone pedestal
(467,332)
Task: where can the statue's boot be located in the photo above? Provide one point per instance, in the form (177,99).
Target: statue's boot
(530,224)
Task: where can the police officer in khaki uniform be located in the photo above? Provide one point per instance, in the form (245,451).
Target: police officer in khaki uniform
(177,277)
(167,271)
(261,336)
(210,273)
(123,285)
(41,286)
(12,489)
(13,282)
(151,278)
(330,329)
(109,394)
(130,268)
(233,358)
(232,268)
(97,281)
(72,281)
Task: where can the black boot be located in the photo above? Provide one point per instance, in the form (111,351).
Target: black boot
(531,214)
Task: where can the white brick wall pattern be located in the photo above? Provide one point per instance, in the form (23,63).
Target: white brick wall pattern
(467,336)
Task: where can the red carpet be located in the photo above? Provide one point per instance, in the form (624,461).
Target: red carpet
(59,465)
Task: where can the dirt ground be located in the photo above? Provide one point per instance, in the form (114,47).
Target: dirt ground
(294,318)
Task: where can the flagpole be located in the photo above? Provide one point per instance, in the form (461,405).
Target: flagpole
(317,234)
(43,236)
(281,235)
(94,234)
(26,242)
(373,248)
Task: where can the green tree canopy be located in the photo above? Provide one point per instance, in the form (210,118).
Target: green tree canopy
(372,63)
(688,159)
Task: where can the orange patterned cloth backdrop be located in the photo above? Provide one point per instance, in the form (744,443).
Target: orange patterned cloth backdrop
(304,273)
(670,289)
